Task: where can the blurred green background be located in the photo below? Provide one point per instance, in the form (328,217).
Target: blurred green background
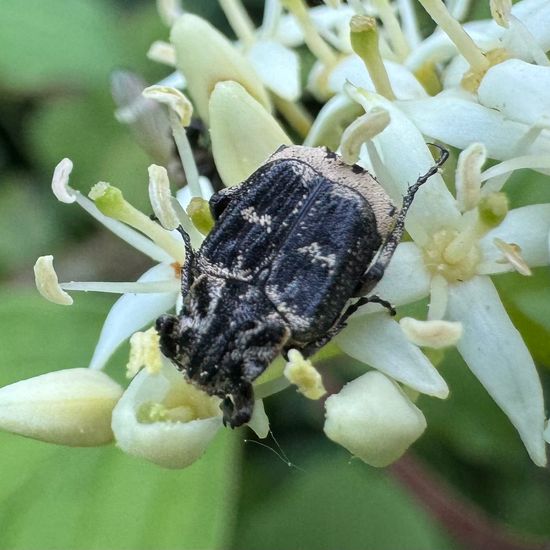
(468,476)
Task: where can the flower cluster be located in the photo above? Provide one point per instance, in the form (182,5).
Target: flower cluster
(480,87)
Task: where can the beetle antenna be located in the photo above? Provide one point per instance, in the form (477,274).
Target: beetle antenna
(186,277)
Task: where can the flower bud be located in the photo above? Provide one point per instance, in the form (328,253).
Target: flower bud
(68,407)
(164,419)
(205,56)
(231,106)
(373,419)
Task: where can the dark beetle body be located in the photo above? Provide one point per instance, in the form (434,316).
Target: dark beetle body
(290,246)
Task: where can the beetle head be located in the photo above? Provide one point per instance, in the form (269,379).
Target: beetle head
(222,356)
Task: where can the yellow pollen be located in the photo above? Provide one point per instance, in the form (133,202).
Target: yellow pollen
(144,352)
(454,269)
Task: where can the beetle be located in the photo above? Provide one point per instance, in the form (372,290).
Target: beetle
(290,247)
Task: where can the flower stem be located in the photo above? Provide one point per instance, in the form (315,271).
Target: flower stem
(313,39)
(461,519)
(295,114)
(462,40)
(186,154)
(239,20)
(111,202)
(391,24)
(364,41)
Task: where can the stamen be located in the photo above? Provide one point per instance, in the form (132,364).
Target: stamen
(156,287)
(295,114)
(304,375)
(398,41)
(360,131)
(181,111)
(528,41)
(500,11)
(512,255)
(111,202)
(160,197)
(272,15)
(175,100)
(144,352)
(439,296)
(313,39)
(47,282)
(460,9)
(169,11)
(162,52)
(491,211)
(432,334)
(364,41)
(464,43)
(239,20)
(468,176)
(409,22)
(533,162)
(60,182)
(66,194)
(127,234)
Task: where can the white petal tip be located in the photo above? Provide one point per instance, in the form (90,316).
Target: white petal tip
(47,282)
(259,423)
(60,182)
(431,334)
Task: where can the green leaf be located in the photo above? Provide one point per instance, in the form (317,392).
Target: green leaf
(64,498)
(85,130)
(30,223)
(329,502)
(45,43)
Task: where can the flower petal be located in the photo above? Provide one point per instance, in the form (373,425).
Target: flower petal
(164,439)
(278,67)
(405,156)
(67,407)
(374,419)
(231,107)
(527,227)
(518,90)
(497,355)
(378,340)
(406,279)
(131,312)
(352,69)
(205,56)
(460,122)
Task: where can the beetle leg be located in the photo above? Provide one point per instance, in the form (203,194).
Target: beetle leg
(375,271)
(186,276)
(312,347)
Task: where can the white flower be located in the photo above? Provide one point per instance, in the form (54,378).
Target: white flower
(451,257)
(67,407)
(373,419)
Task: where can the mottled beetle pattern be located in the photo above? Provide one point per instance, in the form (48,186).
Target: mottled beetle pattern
(290,247)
